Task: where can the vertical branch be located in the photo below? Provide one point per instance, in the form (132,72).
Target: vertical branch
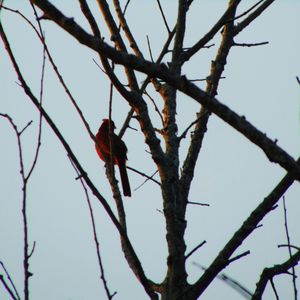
(109,164)
(41,96)
(85,9)
(116,37)
(289,247)
(97,244)
(25,178)
(132,42)
(27,274)
(111,172)
(90,18)
(169,94)
(217,68)
(274,288)
(174,206)
(26,255)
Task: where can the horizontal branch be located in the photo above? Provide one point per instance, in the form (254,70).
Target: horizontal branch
(250,44)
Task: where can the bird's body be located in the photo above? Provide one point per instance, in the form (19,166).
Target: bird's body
(119,152)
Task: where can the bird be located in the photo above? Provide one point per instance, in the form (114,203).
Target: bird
(104,140)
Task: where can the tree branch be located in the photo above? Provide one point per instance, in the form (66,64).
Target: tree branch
(132,42)
(289,246)
(273,152)
(234,284)
(209,35)
(24,178)
(217,68)
(14,290)
(269,273)
(222,259)
(252,16)
(133,259)
(8,289)
(117,39)
(96,240)
(163,16)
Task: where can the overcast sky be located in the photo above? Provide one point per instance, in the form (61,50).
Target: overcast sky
(232,175)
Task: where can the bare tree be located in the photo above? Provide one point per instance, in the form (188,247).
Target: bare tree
(121,58)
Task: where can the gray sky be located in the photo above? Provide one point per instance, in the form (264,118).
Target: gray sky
(232,175)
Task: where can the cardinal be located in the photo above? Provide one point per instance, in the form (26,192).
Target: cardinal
(119,151)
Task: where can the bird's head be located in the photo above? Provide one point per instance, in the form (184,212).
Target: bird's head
(106,123)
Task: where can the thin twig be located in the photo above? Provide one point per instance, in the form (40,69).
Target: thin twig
(198,203)
(25,127)
(210,34)
(194,249)
(238,256)
(8,289)
(145,175)
(237,286)
(125,7)
(247,11)
(27,274)
(149,48)
(32,250)
(241,26)
(155,107)
(289,247)
(96,240)
(274,288)
(184,133)
(250,44)
(205,79)
(126,123)
(54,66)
(11,281)
(100,67)
(37,150)
(163,16)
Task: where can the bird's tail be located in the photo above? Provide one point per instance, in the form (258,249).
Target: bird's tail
(124,179)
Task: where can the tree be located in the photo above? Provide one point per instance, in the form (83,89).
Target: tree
(154,88)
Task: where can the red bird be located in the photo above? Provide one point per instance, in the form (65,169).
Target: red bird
(119,152)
